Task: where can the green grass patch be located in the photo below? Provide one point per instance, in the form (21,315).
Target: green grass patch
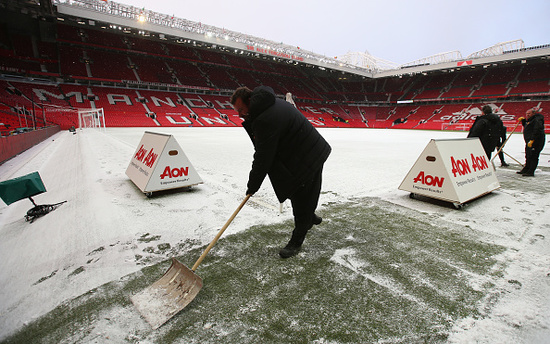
(371,272)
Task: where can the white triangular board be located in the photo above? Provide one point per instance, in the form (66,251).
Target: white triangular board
(159,163)
(453,170)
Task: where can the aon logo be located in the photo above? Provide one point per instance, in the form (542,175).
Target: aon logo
(174,172)
(427,179)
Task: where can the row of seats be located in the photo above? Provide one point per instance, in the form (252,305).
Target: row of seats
(82,54)
(88,54)
(118,102)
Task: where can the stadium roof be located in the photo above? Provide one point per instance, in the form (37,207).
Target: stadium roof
(183,31)
(167,27)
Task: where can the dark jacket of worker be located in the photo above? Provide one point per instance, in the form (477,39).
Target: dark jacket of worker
(287,147)
(533,129)
(488,128)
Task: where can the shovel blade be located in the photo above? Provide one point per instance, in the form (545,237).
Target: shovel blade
(170,294)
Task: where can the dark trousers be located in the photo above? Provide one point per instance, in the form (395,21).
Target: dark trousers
(501,155)
(531,158)
(304,202)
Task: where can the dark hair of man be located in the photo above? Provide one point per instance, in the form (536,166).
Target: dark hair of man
(487,109)
(244,93)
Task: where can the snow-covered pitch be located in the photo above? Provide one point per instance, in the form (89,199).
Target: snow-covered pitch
(108,230)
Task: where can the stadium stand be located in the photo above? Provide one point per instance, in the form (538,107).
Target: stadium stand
(144,79)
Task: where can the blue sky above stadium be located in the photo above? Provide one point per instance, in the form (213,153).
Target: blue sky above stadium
(400,31)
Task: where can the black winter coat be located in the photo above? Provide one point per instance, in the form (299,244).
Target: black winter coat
(533,129)
(287,147)
(488,129)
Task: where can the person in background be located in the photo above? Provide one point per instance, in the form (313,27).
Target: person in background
(487,127)
(534,137)
(289,150)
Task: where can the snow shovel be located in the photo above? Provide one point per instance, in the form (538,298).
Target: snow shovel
(176,288)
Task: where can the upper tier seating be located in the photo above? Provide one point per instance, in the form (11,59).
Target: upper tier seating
(140,81)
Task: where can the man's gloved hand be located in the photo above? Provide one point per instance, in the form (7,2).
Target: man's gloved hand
(530,143)
(521,119)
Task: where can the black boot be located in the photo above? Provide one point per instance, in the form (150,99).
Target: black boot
(289,250)
(301,228)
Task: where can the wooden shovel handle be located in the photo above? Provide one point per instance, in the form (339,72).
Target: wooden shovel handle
(220,233)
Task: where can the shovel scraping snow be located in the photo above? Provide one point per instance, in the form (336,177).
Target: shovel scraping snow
(176,288)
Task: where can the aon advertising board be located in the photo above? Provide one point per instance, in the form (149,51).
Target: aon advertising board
(452,170)
(159,163)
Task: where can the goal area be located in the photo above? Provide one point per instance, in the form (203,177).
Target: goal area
(91,118)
